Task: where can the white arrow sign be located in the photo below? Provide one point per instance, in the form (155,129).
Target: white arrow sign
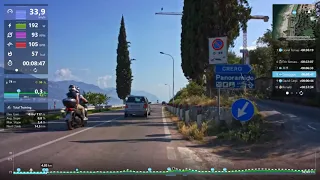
(241,111)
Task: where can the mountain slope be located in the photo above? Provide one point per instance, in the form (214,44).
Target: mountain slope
(113,92)
(58,89)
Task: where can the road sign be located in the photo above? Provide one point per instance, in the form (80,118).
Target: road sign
(217,44)
(234,81)
(242,110)
(218,50)
(233,68)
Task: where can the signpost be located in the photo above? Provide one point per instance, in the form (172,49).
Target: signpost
(233,68)
(234,76)
(218,50)
(235,81)
(218,54)
(242,110)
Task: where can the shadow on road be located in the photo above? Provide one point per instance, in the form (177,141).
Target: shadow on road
(157,124)
(128,140)
(143,118)
(157,135)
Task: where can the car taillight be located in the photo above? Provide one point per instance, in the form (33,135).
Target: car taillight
(126,106)
(69,109)
(145,106)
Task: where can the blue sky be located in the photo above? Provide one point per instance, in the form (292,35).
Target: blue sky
(83,39)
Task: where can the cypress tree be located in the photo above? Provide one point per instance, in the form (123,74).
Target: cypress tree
(123,69)
(202,20)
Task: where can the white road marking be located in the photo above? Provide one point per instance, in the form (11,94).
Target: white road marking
(190,158)
(171,154)
(166,129)
(54,141)
(312,127)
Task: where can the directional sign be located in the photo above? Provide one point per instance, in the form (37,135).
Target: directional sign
(234,81)
(242,110)
(233,68)
(218,53)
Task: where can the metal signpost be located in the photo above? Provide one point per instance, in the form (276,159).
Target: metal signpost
(218,54)
(233,76)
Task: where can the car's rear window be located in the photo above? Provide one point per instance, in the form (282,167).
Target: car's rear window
(136,100)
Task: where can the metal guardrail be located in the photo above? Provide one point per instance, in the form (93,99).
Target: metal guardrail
(200,114)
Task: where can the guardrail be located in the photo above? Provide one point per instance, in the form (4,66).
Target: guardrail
(200,114)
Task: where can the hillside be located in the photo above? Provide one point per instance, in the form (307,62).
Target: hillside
(58,89)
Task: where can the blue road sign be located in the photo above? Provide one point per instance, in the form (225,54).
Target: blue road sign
(242,110)
(217,44)
(233,68)
(234,81)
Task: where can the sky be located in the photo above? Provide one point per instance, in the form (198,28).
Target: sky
(83,38)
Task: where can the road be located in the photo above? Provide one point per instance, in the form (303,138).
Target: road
(301,128)
(109,142)
(294,116)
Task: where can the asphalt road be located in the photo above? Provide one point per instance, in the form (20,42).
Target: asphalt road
(109,142)
(301,129)
(298,119)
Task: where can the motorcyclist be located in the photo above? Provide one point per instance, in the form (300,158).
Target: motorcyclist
(73,93)
(82,99)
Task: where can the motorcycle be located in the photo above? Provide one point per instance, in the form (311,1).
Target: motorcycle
(73,116)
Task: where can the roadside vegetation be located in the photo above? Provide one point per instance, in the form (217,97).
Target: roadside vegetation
(193,95)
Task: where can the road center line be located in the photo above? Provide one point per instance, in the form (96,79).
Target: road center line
(54,141)
(166,129)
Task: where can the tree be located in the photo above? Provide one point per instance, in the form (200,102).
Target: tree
(233,58)
(188,38)
(123,69)
(96,98)
(102,98)
(262,61)
(204,19)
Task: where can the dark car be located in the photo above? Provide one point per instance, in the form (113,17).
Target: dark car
(164,103)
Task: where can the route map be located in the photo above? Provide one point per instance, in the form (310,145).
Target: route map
(294,20)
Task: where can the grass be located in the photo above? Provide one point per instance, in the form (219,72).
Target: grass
(30,119)
(191,131)
(192,95)
(205,101)
(250,132)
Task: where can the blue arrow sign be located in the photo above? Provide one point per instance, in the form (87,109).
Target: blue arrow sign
(242,110)
(235,81)
(233,68)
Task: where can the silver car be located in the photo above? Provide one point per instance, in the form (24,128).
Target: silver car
(137,105)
